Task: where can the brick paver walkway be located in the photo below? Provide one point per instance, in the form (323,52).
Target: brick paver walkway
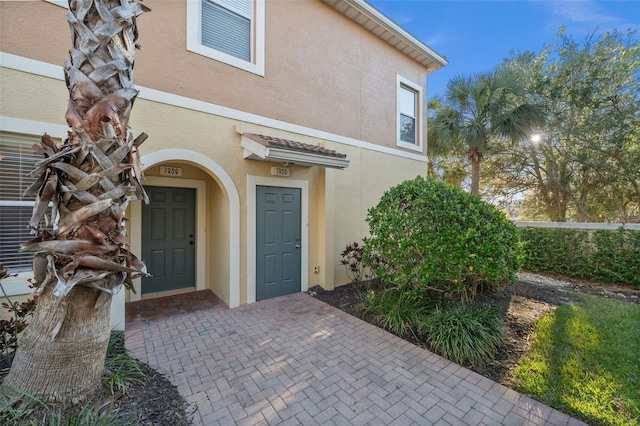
(295,360)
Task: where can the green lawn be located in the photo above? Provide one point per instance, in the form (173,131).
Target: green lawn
(585,360)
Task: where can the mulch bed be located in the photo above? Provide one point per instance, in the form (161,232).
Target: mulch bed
(153,402)
(522,303)
(156,402)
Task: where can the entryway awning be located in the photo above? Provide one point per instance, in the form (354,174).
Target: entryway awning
(277,150)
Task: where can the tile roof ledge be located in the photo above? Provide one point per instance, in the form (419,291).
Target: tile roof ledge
(284,151)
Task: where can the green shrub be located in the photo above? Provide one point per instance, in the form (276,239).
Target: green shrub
(464,333)
(615,256)
(560,251)
(398,310)
(431,235)
(607,256)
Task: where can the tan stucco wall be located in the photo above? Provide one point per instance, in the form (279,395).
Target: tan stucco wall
(322,70)
(357,189)
(338,199)
(39,99)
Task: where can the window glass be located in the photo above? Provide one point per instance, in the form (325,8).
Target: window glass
(407,106)
(17,160)
(407,102)
(226,30)
(407,129)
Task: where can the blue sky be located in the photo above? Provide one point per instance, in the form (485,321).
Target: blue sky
(476,36)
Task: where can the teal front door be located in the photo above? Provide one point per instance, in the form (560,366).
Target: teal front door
(278,245)
(168,239)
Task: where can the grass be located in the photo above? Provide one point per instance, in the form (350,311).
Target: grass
(120,369)
(585,360)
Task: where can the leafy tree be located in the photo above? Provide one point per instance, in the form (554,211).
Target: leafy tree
(585,167)
(87,179)
(478,109)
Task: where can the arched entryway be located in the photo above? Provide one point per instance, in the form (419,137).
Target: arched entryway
(206,179)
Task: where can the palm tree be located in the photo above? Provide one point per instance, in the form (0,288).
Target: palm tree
(476,109)
(80,261)
(445,159)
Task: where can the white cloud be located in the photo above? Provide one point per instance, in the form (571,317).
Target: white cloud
(586,14)
(584,11)
(402,19)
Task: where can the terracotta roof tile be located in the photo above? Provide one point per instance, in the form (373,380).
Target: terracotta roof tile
(272,142)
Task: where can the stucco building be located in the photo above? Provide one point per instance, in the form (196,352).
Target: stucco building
(273,127)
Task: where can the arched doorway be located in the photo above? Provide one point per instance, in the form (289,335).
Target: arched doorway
(214,176)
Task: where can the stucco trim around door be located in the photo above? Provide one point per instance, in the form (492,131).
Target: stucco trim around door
(224,180)
(252,183)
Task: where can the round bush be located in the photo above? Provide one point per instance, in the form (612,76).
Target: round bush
(431,235)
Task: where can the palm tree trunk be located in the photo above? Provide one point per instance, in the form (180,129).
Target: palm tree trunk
(66,368)
(475,157)
(82,261)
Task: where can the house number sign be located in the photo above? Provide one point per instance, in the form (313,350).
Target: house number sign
(280,171)
(170,171)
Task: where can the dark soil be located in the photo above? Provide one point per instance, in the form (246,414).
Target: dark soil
(522,303)
(154,401)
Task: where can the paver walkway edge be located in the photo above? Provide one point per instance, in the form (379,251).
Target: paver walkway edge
(294,360)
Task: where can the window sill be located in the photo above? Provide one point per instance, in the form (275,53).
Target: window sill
(406,145)
(18,285)
(257,69)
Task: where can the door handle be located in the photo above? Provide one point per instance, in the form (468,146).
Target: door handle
(190,242)
(297,246)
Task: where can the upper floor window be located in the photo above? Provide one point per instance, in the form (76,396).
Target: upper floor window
(409,121)
(230,31)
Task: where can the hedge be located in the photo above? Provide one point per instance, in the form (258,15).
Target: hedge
(427,234)
(604,255)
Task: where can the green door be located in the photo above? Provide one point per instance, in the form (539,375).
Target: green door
(168,239)
(278,232)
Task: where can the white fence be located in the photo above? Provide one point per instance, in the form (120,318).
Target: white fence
(586,226)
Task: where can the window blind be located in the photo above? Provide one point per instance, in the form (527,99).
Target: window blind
(228,29)
(13,232)
(18,159)
(242,7)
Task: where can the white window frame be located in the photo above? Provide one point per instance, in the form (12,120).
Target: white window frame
(401,83)
(194,31)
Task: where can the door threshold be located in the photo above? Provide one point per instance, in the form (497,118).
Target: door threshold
(167,293)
